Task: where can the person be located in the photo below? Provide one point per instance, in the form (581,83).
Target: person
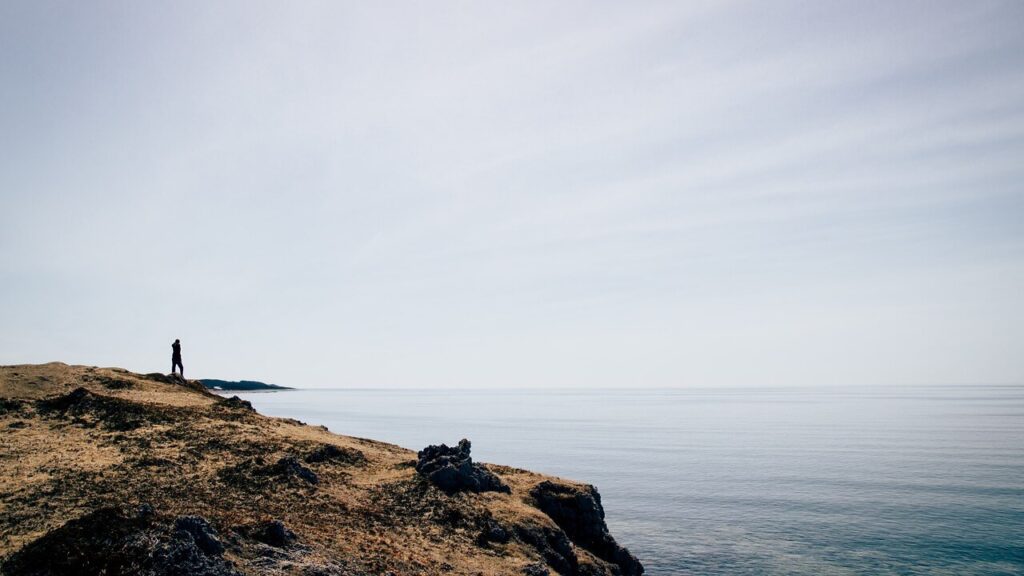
(176,357)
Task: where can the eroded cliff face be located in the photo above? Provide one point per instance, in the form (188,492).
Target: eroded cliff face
(107,472)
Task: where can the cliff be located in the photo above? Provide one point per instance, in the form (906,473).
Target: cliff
(103,471)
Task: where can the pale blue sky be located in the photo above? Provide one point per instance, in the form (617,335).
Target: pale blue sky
(507,194)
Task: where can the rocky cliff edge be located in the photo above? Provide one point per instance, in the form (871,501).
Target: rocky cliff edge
(103,471)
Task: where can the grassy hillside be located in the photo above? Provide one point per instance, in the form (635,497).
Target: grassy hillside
(103,471)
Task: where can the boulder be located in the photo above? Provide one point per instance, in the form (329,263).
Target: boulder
(237,403)
(452,470)
(193,549)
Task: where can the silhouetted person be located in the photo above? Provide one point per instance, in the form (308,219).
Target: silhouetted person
(176,357)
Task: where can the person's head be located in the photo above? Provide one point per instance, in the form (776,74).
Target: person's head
(176,341)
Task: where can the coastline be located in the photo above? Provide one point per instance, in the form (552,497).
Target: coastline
(216,487)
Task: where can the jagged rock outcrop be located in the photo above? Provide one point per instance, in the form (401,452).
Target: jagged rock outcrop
(579,513)
(451,469)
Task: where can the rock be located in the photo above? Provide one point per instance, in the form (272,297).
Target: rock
(192,550)
(204,536)
(237,403)
(452,470)
(536,570)
(268,554)
(176,380)
(553,545)
(492,532)
(331,453)
(290,466)
(322,570)
(579,513)
(597,568)
(273,533)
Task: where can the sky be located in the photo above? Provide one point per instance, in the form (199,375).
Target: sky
(516,194)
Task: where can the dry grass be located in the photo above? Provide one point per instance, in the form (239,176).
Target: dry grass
(183,451)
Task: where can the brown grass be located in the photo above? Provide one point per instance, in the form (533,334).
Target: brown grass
(182,451)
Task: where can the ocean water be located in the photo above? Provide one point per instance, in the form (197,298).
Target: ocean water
(915,480)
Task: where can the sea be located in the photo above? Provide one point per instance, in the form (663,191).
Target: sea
(816,481)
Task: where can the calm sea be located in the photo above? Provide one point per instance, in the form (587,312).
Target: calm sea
(922,480)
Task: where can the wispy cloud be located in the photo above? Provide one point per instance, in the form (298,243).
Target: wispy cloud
(517,194)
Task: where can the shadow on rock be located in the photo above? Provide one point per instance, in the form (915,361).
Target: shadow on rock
(579,513)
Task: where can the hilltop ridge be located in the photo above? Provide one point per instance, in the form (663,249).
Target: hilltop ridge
(103,471)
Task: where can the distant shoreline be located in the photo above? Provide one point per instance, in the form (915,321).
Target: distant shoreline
(240,385)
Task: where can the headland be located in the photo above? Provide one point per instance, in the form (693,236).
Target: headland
(104,471)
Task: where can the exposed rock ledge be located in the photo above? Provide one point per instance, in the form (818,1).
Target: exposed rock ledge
(107,472)
(452,469)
